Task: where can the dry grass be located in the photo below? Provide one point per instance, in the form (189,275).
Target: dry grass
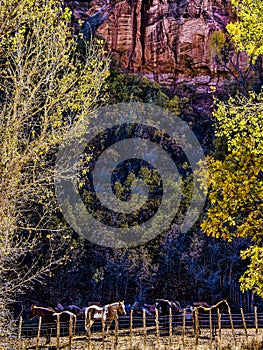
(150,343)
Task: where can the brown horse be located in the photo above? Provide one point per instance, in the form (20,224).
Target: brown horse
(164,306)
(46,315)
(201,303)
(105,314)
(204,312)
(64,316)
(75,309)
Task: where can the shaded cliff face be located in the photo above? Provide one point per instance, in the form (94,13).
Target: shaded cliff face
(166,40)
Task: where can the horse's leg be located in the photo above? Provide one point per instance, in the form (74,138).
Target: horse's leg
(48,337)
(103,329)
(88,327)
(198,326)
(108,323)
(213,328)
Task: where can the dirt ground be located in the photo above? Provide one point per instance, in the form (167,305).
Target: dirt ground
(148,342)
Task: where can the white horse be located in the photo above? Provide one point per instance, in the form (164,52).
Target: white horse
(105,314)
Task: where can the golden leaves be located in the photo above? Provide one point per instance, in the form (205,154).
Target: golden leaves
(236,181)
(247,32)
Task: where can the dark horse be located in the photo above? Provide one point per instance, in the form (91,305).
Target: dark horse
(164,306)
(46,315)
(105,314)
(204,312)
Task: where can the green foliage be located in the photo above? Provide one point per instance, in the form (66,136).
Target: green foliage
(243,69)
(126,87)
(218,41)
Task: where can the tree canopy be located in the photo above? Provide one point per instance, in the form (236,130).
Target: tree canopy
(246,32)
(45,87)
(236,178)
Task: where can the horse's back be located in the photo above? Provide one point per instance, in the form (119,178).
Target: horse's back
(94,312)
(64,316)
(201,304)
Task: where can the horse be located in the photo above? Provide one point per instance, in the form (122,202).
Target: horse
(201,303)
(149,309)
(46,315)
(105,314)
(220,307)
(138,308)
(64,316)
(75,310)
(165,305)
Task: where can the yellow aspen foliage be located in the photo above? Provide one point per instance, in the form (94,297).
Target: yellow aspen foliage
(236,181)
(247,32)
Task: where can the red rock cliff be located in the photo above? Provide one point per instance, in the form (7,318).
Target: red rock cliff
(166,40)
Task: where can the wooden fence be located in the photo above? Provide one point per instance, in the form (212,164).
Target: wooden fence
(172,328)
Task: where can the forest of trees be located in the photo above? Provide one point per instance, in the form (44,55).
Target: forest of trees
(50,79)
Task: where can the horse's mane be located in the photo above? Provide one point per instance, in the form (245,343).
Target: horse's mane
(203,308)
(113,304)
(44,308)
(213,306)
(220,302)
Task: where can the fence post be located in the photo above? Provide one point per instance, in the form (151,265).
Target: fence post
(244,324)
(103,333)
(131,314)
(211,328)
(170,327)
(196,327)
(144,329)
(157,326)
(256,324)
(183,330)
(70,327)
(232,325)
(38,331)
(19,332)
(219,328)
(58,330)
(116,330)
(88,331)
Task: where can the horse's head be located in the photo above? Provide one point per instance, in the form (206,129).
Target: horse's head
(176,307)
(224,306)
(32,312)
(121,308)
(157,304)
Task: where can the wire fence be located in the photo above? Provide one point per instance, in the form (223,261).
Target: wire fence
(183,329)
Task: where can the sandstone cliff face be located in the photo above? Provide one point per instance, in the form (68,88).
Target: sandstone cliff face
(166,40)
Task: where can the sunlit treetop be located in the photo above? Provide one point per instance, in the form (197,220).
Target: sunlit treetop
(246,32)
(240,122)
